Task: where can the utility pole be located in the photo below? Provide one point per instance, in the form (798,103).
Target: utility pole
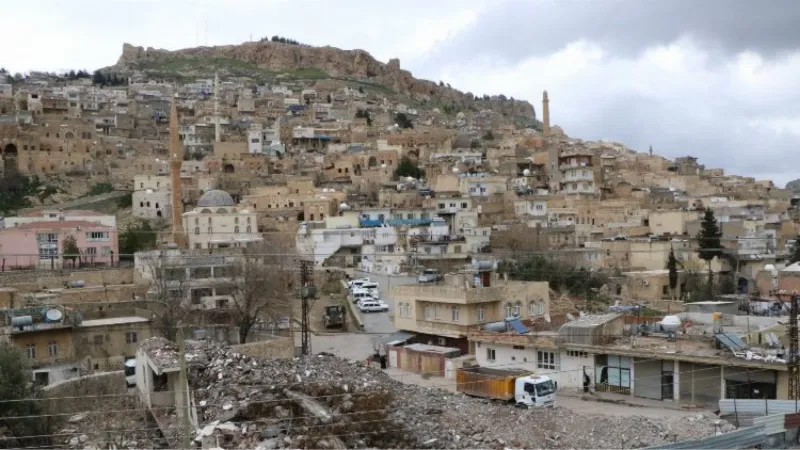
(185,406)
(793,358)
(307,292)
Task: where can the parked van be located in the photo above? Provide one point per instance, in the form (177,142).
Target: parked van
(362,294)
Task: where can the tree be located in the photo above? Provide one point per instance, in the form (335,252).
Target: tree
(70,250)
(20,411)
(169,289)
(137,237)
(403,121)
(407,168)
(260,284)
(709,243)
(329,98)
(489,136)
(99,78)
(672,266)
(361,89)
(795,251)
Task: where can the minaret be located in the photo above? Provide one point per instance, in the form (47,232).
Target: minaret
(545,114)
(176,159)
(216,106)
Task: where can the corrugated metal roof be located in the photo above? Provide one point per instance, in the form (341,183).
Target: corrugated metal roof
(773,424)
(742,438)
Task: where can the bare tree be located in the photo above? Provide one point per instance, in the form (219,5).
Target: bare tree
(260,285)
(168,290)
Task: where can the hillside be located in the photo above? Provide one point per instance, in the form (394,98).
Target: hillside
(264,61)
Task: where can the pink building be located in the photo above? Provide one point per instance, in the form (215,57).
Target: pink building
(40,244)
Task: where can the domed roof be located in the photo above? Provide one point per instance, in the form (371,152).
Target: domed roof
(214,198)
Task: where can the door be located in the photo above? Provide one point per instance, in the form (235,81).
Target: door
(666,386)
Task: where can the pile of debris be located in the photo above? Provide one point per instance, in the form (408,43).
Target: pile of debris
(327,402)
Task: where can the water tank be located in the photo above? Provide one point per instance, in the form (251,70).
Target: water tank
(496,327)
(526,172)
(21,321)
(77,284)
(483,266)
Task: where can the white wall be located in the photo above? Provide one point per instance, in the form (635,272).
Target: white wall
(568,371)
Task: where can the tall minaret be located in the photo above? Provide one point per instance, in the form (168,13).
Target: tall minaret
(176,159)
(545,114)
(216,106)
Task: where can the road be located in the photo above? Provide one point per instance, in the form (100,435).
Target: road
(380,322)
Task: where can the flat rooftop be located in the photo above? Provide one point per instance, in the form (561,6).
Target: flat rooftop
(113,321)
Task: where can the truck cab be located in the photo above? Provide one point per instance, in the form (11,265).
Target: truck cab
(535,391)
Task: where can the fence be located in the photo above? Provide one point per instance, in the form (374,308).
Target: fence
(775,424)
(743,438)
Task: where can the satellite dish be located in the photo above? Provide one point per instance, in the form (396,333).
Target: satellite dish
(526,172)
(344,207)
(409,178)
(455,170)
(383,166)
(53,315)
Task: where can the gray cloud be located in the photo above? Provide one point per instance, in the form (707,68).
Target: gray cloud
(512,30)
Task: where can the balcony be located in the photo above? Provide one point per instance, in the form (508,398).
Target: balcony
(449,294)
(442,328)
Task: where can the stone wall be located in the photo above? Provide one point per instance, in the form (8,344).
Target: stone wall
(282,347)
(48,279)
(88,393)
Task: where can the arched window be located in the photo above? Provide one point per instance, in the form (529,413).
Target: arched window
(236,229)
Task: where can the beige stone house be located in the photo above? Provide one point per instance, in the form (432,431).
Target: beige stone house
(445,313)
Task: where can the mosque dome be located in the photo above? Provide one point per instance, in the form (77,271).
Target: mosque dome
(214,198)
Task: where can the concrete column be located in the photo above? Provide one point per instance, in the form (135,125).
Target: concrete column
(676,381)
(632,373)
(721,382)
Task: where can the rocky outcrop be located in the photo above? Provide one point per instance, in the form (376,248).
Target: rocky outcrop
(351,64)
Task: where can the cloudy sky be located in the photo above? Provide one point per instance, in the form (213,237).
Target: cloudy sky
(717,79)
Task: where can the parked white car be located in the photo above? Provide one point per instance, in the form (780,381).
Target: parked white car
(374,306)
(372,287)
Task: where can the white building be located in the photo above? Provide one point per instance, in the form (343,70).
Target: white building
(217,222)
(152,196)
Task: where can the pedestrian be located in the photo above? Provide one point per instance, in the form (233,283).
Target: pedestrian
(586,382)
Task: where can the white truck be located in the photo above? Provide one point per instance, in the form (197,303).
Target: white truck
(520,387)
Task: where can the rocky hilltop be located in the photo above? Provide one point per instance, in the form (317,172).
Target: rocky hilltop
(355,65)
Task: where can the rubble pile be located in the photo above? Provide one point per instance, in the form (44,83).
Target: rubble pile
(327,402)
(441,419)
(318,402)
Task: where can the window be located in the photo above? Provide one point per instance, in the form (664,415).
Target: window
(249,229)
(456,313)
(428,312)
(576,354)
(98,339)
(196,230)
(481,314)
(52,348)
(30,352)
(457,249)
(518,347)
(106,251)
(236,220)
(92,251)
(47,237)
(235,229)
(490,354)
(130,337)
(463,205)
(545,360)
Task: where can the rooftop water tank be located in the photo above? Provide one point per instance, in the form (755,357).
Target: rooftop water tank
(483,266)
(670,324)
(77,284)
(21,321)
